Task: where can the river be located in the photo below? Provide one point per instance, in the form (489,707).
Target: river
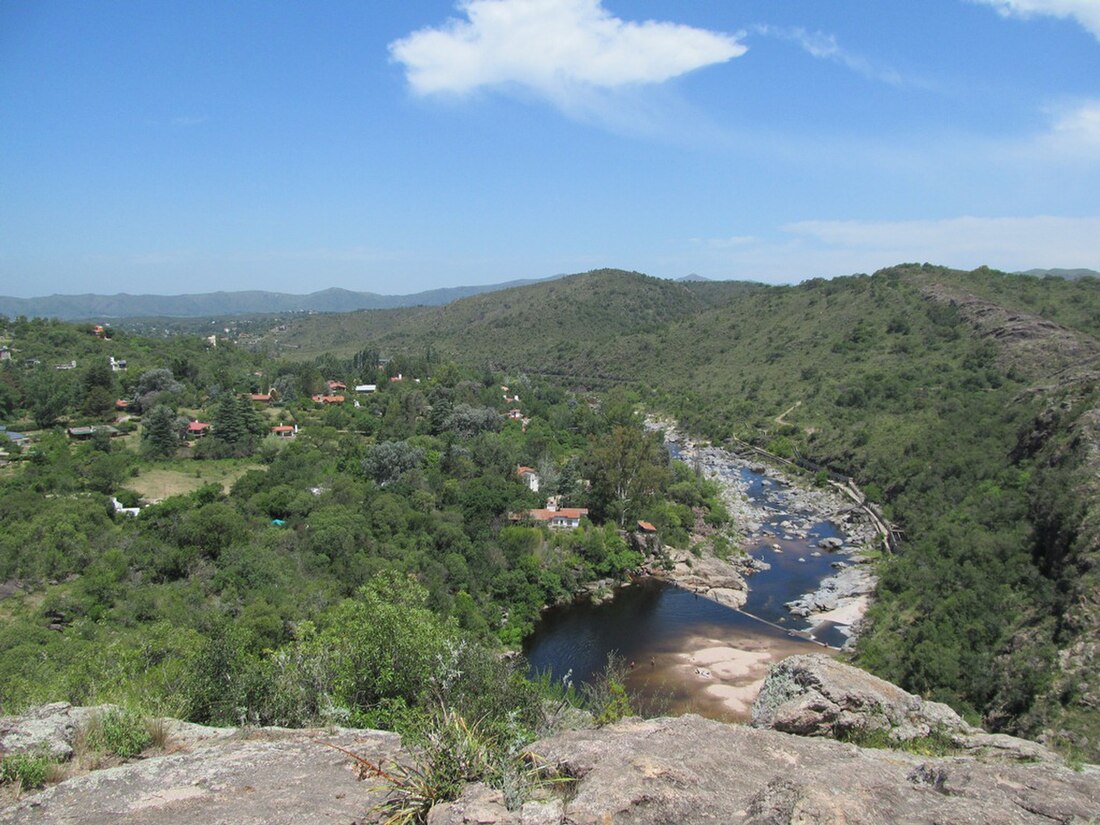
(690,654)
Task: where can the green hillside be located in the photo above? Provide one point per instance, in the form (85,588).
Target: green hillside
(959,400)
(551,326)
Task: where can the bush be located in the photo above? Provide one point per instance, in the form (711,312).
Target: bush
(121,732)
(26,769)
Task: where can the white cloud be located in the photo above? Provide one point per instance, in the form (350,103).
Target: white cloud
(1085,12)
(1004,243)
(1076,131)
(826,248)
(554,47)
(825,47)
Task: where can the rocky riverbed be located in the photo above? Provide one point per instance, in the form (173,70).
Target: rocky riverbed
(777,514)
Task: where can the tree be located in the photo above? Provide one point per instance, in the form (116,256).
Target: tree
(388,461)
(629,467)
(152,385)
(161,431)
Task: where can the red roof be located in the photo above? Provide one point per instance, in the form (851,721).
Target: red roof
(337,385)
(197,427)
(260,396)
(122,403)
(522,471)
(561,512)
(329,399)
(646,527)
(283,428)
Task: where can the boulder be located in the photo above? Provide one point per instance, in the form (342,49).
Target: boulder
(262,777)
(688,769)
(46,729)
(816,695)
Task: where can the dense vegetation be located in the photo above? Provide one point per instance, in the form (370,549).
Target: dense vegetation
(967,432)
(974,428)
(365,570)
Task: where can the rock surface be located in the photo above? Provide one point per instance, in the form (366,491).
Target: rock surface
(264,778)
(689,769)
(817,695)
(47,729)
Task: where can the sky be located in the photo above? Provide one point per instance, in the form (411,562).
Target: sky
(177,147)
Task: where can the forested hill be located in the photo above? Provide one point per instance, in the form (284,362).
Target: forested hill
(963,401)
(550,326)
(101,307)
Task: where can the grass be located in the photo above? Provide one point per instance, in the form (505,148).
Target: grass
(159,482)
(119,732)
(936,743)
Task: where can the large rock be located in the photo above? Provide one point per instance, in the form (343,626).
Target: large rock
(47,729)
(816,695)
(261,778)
(689,769)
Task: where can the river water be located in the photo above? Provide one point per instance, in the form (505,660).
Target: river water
(685,652)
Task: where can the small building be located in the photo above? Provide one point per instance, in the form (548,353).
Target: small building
(328,399)
(285,430)
(13,437)
(529,476)
(260,397)
(396,378)
(122,404)
(515,415)
(5,354)
(84,433)
(366,388)
(70,365)
(333,386)
(197,429)
(560,518)
(117,364)
(646,527)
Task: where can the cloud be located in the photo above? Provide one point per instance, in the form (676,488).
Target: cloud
(1005,243)
(556,48)
(827,248)
(825,47)
(1085,12)
(1076,131)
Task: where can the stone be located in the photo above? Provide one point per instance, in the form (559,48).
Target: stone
(46,729)
(261,777)
(691,770)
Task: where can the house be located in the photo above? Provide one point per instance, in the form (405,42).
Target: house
(117,364)
(197,429)
(333,386)
(284,431)
(563,518)
(646,527)
(13,437)
(260,397)
(366,388)
(515,415)
(5,354)
(71,365)
(122,404)
(84,433)
(328,399)
(529,476)
(100,332)
(398,377)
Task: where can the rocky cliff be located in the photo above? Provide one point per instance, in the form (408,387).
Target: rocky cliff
(668,770)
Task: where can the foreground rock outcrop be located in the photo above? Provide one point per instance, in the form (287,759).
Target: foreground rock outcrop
(689,769)
(817,695)
(638,772)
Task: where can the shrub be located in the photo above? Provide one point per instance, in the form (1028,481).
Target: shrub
(121,732)
(26,769)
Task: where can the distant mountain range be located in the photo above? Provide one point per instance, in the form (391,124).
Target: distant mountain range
(1068,274)
(123,305)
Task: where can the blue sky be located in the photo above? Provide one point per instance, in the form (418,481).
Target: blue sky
(393,147)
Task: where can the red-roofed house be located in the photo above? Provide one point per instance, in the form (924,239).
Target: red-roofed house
(122,404)
(336,385)
(566,518)
(197,429)
(261,397)
(646,527)
(284,431)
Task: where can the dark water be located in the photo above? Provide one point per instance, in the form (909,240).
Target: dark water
(651,623)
